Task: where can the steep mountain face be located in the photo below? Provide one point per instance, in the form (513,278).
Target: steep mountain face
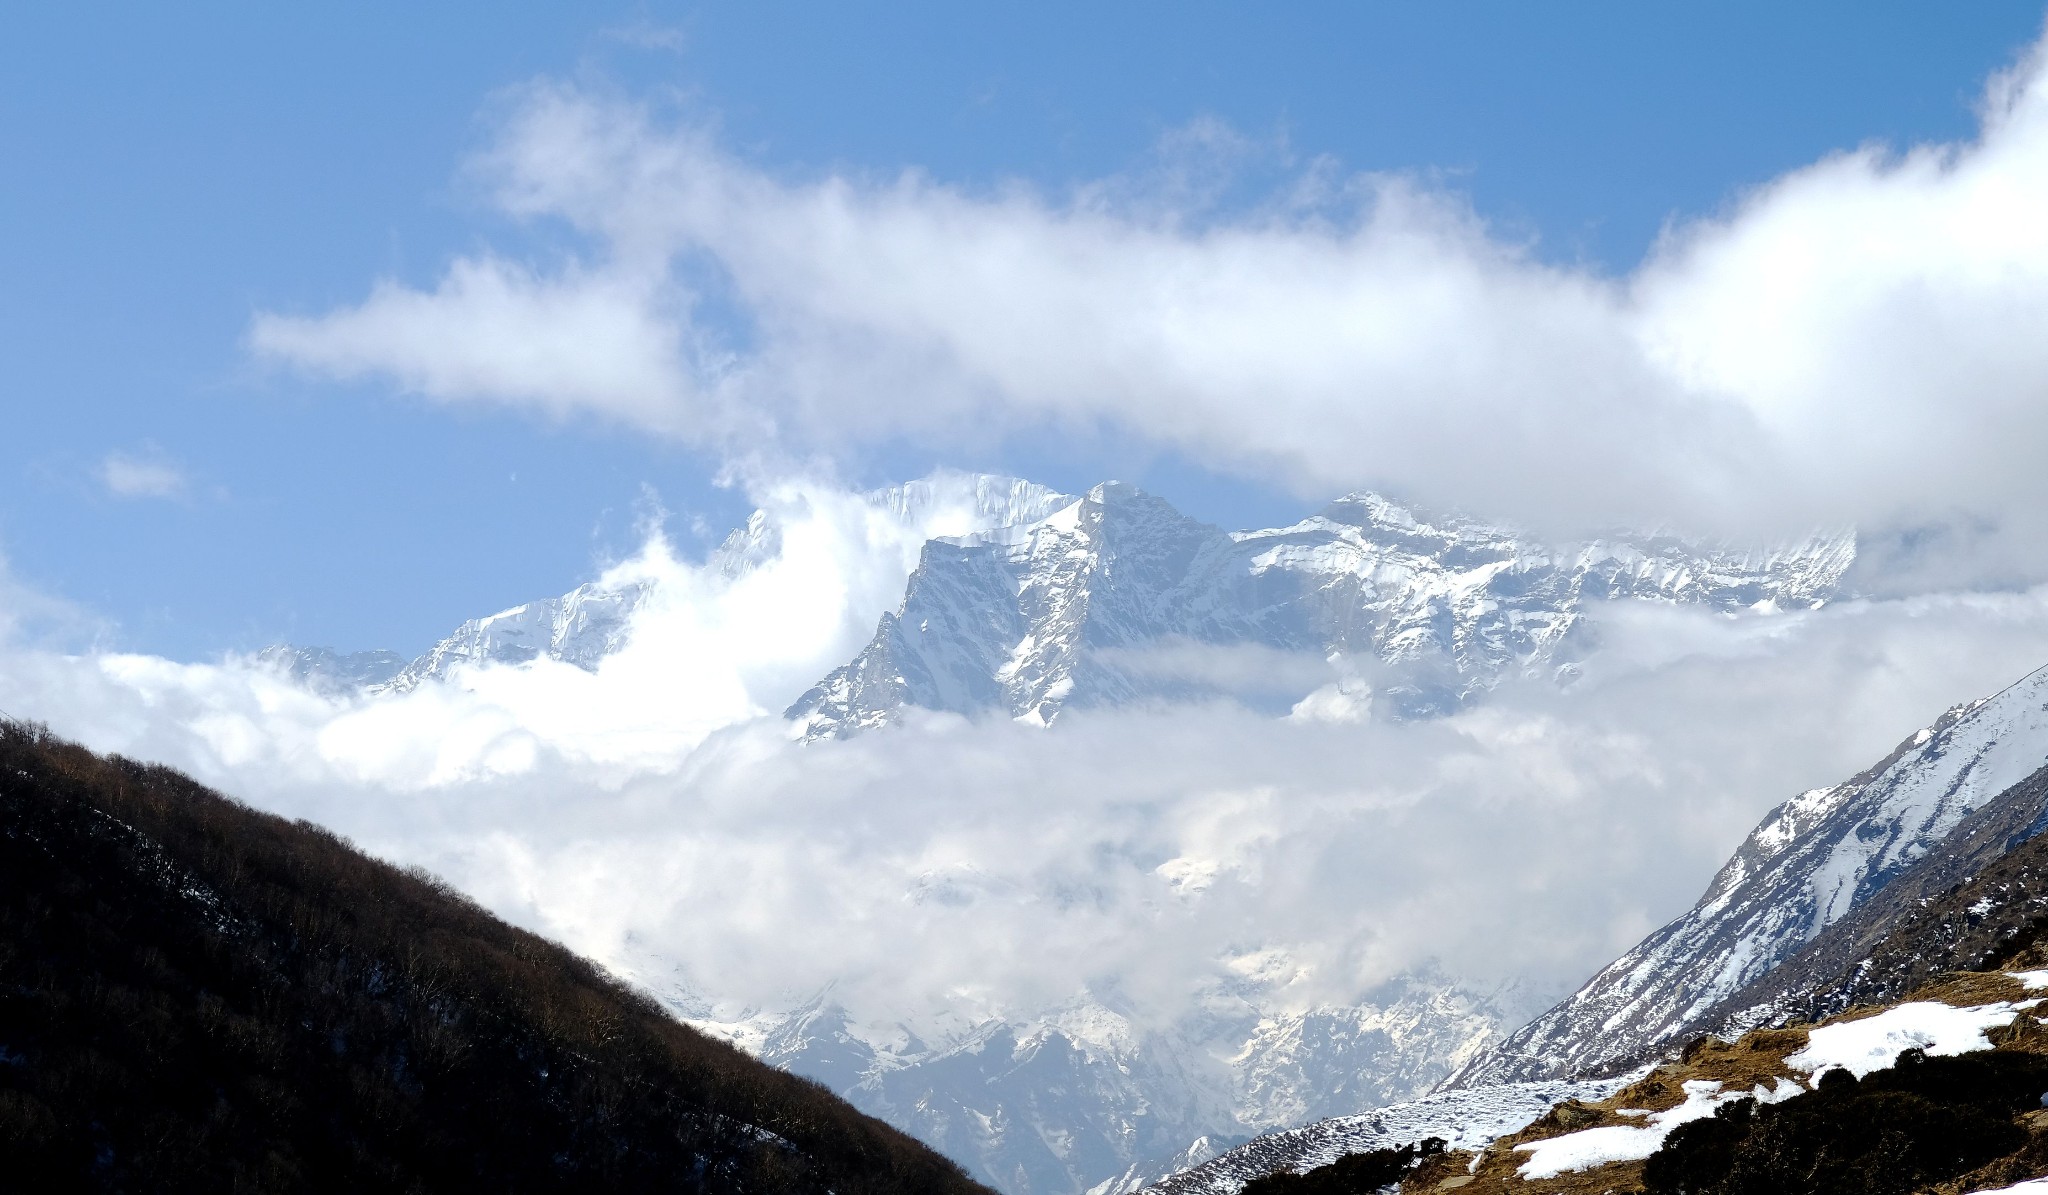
(1081,1099)
(198,997)
(1073,609)
(1978,902)
(1812,862)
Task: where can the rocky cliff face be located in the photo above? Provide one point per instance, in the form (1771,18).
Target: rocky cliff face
(1975,903)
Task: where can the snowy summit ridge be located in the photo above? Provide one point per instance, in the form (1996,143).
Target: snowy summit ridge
(1032,618)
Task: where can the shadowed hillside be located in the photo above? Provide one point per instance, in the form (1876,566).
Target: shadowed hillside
(197,996)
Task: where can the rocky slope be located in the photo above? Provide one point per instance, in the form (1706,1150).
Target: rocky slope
(1938,1093)
(1813,861)
(1073,609)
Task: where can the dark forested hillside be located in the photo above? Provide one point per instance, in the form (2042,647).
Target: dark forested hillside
(197,996)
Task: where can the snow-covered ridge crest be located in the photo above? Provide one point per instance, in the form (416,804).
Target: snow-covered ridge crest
(1808,863)
(1034,618)
(1019,599)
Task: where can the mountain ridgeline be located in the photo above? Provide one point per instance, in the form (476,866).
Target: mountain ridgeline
(1085,606)
(195,996)
(1051,601)
(1827,873)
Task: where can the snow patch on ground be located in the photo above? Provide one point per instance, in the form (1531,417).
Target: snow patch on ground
(1470,1118)
(2033,1186)
(1588,1148)
(1874,1043)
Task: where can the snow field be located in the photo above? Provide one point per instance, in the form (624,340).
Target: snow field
(1874,1043)
(1588,1148)
(1860,1047)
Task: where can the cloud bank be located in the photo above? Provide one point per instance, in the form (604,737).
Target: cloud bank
(953,869)
(1858,341)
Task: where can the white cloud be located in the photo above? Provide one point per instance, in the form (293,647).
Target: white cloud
(583,340)
(1857,341)
(141,475)
(957,867)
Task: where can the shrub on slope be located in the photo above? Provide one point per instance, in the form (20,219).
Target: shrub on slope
(1924,1121)
(1353,1174)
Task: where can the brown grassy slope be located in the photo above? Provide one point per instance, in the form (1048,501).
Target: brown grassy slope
(1755,1058)
(198,996)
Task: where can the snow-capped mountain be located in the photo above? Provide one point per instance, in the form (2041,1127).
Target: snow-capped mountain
(581,627)
(1080,1098)
(1072,609)
(1809,863)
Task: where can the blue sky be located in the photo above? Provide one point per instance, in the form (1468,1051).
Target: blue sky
(169,177)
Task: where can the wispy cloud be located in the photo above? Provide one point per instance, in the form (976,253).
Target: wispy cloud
(644,34)
(1855,342)
(146,474)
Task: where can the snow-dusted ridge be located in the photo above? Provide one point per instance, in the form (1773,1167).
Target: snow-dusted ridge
(1806,865)
(1031,601)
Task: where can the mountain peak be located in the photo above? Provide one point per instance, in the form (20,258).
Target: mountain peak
(1040,617)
